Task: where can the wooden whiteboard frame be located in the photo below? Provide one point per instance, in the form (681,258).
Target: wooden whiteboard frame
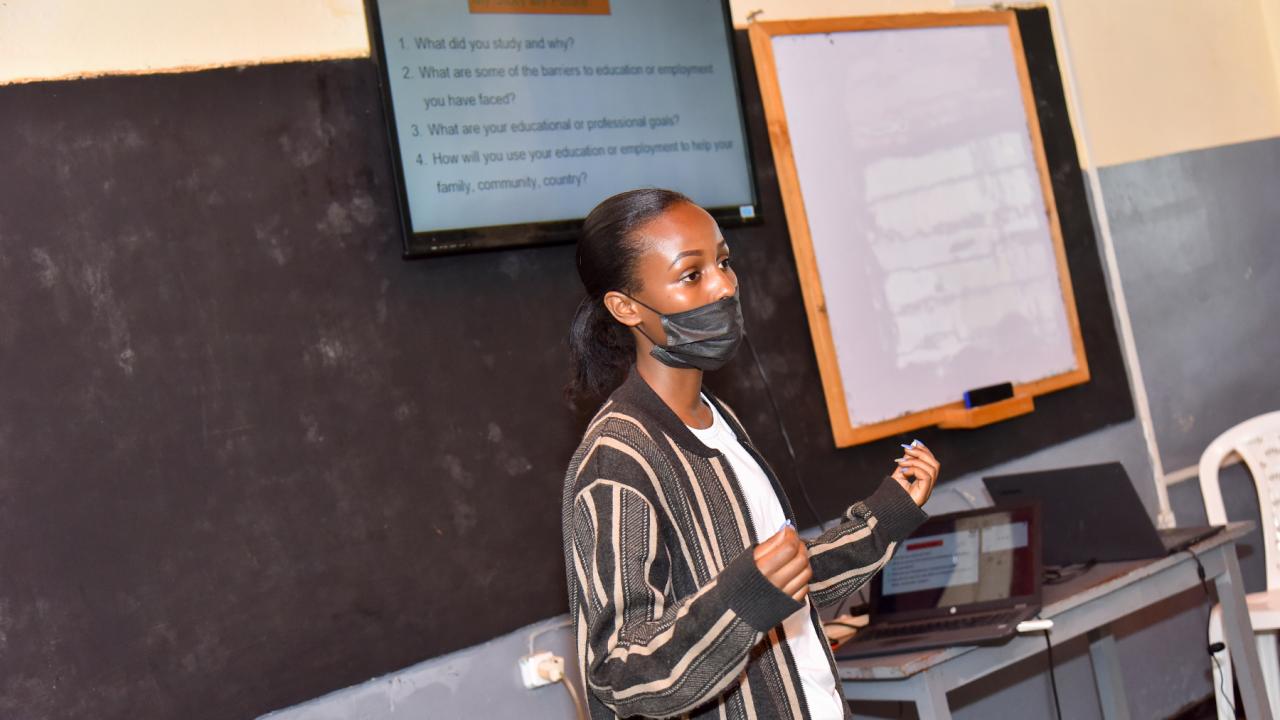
(951,415)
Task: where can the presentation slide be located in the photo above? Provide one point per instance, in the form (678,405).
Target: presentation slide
(525,111)
(972,563)
(1003,537)
(932,562)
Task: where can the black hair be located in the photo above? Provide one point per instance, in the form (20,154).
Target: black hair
(600,348)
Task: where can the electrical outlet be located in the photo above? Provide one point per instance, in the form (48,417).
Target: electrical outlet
(553,669)
(541,669)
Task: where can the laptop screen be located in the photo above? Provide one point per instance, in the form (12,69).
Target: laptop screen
(966,559)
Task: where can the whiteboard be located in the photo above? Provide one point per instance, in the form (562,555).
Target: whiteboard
(938,257)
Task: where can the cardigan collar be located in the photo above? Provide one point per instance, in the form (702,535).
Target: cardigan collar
(636,392)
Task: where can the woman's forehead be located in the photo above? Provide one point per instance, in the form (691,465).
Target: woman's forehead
(681,228)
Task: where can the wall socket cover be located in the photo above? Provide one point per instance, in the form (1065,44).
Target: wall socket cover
(529,669)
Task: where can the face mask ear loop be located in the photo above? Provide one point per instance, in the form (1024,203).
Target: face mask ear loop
(641,326)
(646,335)
(642,304)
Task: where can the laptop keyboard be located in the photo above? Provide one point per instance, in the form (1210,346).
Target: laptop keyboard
(940,625)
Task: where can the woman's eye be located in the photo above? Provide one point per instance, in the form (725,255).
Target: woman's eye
(724,264)
(691,277)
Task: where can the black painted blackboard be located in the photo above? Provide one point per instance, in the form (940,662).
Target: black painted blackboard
(249,456)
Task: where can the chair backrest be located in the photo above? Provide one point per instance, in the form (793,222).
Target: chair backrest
(1257,442)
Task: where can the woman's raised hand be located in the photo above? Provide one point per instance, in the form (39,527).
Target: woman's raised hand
(917,471)
(784,560)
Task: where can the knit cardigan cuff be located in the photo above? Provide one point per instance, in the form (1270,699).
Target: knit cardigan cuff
(751,596)
(894,510)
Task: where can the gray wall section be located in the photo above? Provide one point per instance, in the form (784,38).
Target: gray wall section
(1195,237)
(479,682)
(483,682)
(1196,244)
(1122,443)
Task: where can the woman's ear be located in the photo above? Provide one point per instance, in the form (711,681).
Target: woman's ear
(622,308)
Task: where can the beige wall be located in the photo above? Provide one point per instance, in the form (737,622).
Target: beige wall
(798,9)
(1271,15)
(1155,76)
(48,39)
(1164,76)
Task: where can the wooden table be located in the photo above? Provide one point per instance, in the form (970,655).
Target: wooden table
(1084,605)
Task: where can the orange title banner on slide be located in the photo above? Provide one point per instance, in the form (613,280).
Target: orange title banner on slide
(541,7)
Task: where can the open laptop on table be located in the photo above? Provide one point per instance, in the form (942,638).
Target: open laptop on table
(962,579)
(1092,514)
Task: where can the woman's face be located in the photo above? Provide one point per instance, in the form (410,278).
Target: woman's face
(684,265)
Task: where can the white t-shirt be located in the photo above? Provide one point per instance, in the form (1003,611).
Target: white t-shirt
(819,685)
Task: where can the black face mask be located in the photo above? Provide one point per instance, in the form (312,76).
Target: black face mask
(704,338)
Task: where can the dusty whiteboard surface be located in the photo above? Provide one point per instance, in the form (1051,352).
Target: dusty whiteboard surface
(926,213)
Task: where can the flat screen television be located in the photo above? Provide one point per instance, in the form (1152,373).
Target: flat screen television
(510,119)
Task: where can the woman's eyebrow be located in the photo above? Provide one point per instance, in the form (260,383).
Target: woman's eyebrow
(681,255)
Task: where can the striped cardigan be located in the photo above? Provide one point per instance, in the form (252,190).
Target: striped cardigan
(670,613)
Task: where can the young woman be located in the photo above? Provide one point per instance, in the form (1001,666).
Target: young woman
(690,593)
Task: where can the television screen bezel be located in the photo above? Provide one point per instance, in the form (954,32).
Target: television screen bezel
(529,234)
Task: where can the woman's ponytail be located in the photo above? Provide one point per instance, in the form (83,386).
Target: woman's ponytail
(601,351)
(600,348)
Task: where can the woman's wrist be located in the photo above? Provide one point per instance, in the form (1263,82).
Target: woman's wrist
(893,507)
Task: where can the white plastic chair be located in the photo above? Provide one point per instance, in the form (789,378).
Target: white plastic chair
(1257,443)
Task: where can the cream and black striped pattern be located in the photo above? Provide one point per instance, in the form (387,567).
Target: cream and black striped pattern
(671,616)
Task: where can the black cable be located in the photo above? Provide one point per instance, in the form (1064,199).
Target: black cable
(1059,575)
(1213,648)
(1053,677)
(1227,695)
(786,437)
(1204,581)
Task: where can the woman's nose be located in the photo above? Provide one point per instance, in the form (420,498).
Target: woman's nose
(726,284)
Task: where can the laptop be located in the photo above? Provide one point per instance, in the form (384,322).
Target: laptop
(961,579)
(1092,514)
